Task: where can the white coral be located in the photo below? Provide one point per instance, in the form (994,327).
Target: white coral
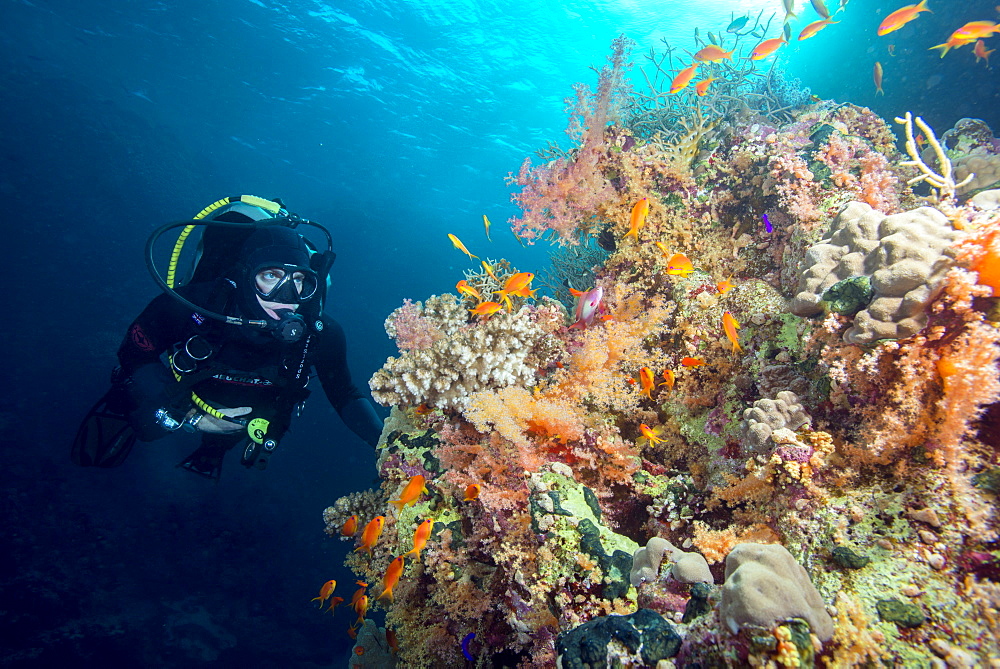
(502,350)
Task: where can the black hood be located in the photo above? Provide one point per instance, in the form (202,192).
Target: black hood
(275,245)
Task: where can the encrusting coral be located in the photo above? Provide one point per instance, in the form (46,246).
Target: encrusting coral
(787,358)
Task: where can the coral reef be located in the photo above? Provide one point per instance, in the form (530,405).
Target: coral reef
(590,483)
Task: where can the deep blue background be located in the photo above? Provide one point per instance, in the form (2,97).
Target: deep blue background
(393,123)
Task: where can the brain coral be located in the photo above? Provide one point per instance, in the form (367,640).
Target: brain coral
(765,585)
(903,255)
(502,350)
(765,416)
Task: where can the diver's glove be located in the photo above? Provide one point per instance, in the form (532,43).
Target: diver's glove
(202,422)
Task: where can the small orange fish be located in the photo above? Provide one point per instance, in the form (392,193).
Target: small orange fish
(679,265)
(390,638)
(668,379)
(423,409)
(335,602)
(724,286)
(486,308)
(361,608)
(391,578)
(646,382)
(411,493)
(350,527)
(420,537)
(464,288)
(325,592)
(877,78)
(371,534)
(713,54)
(649,434)
(814,28)
(486,224)
(460,246)
(980,52)
(919,139)
(516,285)
(682,79)
(692,362)
(352,632)
(575,293)
(472,492)
(766,48)
(901,17)
(974,30)
(701,88)
(730,325)
(358,593)
(638,219)
(489,270)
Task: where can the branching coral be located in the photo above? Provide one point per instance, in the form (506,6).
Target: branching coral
(462,358)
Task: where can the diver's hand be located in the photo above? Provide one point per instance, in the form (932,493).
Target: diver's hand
(214,425)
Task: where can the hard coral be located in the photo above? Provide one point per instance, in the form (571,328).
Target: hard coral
(765,585)
(502,350)
(905,256)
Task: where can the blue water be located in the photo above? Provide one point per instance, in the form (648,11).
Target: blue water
(393,123)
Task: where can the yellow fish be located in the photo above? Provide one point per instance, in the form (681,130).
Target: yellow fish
(486,223)
(457,243)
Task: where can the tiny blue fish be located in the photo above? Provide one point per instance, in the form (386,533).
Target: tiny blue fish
(767,223)
(465,646)
(738,24)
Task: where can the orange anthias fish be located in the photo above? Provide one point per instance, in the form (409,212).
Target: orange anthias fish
(411,493)
(464,288)
(361,607)
(325,592)
(489,270)
(516,285)
(683,78)
(814,28)
(877,78)
(391,578)
(646,382)
(701,88)
(638,218)
(713,54)
(669,379)
(901,17)
(692,362)
(371,534)
(980,52)
(766,48)
(730,325)
(968,34)
(724,286)
(350,527)
(457,243)
(486,224)
(420,537)
(649,434)
(679,265)
(472,492)
(486,308)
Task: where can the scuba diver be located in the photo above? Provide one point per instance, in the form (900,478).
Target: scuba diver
(228,353)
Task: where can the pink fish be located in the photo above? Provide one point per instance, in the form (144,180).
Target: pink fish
(588,307)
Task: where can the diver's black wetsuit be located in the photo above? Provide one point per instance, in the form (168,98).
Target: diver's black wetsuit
(249,368)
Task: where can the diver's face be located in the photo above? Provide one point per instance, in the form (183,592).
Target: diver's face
(267,279)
